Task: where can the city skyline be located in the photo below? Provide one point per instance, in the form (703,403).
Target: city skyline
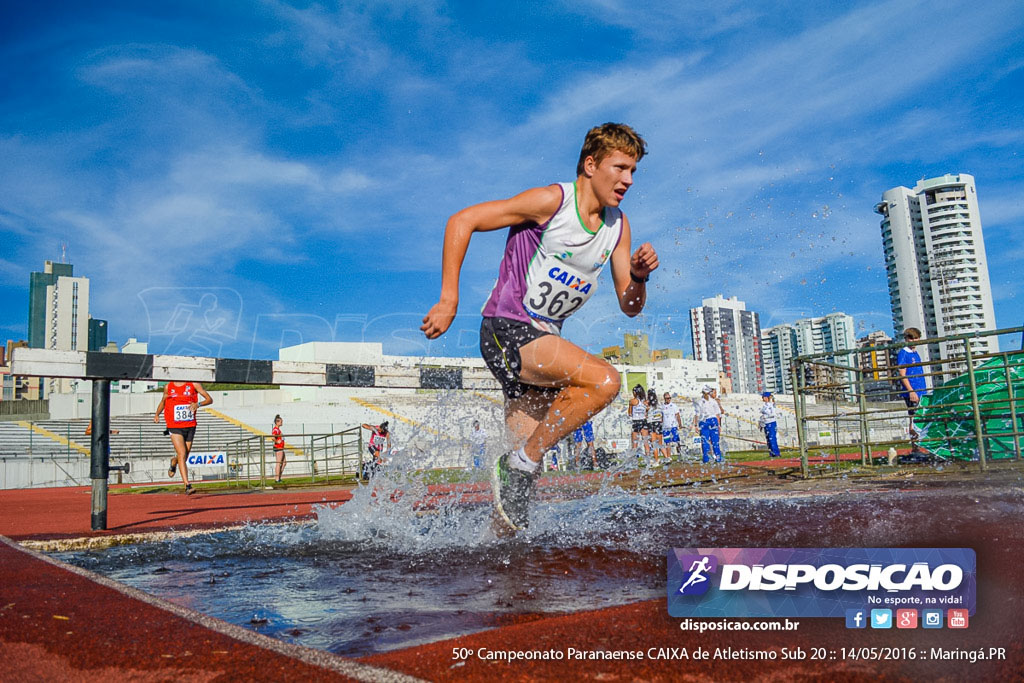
(234,180)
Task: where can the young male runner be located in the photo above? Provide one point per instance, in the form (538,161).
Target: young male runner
(560,239)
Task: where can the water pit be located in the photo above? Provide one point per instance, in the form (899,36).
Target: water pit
(378,574)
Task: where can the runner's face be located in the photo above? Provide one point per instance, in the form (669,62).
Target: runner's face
(612,177)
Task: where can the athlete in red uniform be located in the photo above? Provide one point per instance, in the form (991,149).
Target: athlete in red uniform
(178,407)
(380,443)
(278,448)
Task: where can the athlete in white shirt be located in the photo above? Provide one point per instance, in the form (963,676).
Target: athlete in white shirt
(672,424)
(561,237)
(636,413)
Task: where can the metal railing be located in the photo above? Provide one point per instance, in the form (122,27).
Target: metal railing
(972,416)
(324,458)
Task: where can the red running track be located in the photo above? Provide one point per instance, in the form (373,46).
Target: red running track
(64,623)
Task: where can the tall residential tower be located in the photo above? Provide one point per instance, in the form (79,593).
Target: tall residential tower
(726,333)
(935,262)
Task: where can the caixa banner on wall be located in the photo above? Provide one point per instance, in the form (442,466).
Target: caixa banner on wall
(216,460)
(816,582)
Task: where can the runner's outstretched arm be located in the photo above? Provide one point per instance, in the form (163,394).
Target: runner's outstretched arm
(627,270)
(536,205)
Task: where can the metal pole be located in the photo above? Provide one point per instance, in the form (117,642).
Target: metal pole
(865,435)
(1013,408)
(99,467)
(798,409)
(263,461)
(979,435)
(835,427)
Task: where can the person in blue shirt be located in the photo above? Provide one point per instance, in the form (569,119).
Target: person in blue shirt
(911,378)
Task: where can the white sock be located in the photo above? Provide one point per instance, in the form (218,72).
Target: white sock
(519,461)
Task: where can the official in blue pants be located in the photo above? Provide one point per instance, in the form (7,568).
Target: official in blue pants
(707,415)
(771,436)
(768,421)
(710,439)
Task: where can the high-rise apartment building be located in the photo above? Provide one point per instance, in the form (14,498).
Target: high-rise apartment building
(935,262)
(58,314)
(831,333)
(37,300)
(58,311)
(67,314)
(779,345)
(726,333)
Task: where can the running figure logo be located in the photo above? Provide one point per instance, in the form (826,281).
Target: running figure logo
(700,566)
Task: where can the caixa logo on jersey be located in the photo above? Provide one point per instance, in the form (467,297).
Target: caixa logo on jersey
(816,582)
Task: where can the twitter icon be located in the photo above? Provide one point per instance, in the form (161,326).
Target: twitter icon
(881,618)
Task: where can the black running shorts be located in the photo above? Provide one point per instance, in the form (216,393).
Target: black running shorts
(500,341)
(188,432)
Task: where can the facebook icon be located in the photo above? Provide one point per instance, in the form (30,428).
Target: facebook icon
(856,618)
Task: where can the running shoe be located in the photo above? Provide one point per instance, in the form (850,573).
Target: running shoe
(189,490)
(172,469)
(512,490)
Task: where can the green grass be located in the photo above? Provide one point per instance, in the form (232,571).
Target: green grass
(236,486)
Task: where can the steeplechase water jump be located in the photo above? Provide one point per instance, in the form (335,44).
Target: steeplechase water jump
(415,568)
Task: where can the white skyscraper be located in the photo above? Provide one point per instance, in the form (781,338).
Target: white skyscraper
(935,262)
(66,321)
(726,333)
(67,314)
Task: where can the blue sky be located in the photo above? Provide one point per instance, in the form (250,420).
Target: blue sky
(234,177)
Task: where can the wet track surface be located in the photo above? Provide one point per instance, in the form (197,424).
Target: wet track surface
(374,576)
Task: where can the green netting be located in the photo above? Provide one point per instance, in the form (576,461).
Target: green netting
(946,418)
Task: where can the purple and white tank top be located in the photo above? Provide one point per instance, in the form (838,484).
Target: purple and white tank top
(550,270)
